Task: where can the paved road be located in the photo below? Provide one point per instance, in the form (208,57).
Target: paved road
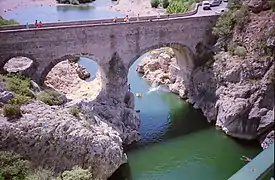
(213,10)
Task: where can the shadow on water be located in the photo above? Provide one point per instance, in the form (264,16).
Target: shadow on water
(63,8)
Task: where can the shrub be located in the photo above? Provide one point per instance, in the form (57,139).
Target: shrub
(4,22)
(241,16)
(240,51)
(19,100)
(74,111)
(12,110)
(180,6)
(42,174)
(77,173)
(13,166)
(18,84)
(49,97)
(224,26)
(155,3)
(234,4)
(165,3)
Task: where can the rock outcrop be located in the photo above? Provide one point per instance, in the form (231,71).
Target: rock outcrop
(235,91)
(51,137)
(160,67)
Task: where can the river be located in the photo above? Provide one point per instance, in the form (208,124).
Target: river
(177,143)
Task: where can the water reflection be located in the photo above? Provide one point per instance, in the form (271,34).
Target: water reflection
(57,13)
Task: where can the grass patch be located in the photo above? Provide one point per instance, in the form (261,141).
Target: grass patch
(74,111)
(49,97)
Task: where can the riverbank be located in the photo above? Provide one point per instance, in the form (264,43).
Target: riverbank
(132,8)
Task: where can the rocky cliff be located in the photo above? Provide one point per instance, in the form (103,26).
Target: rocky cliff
(58,133)
(234,89)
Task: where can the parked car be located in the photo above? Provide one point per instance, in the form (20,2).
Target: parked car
(215,3)
(206,5)
(225,0)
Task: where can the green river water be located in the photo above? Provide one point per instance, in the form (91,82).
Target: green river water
(177,143)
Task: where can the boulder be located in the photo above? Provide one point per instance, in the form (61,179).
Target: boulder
(5,96)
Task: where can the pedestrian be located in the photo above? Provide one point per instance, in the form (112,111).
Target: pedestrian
(40,24)
(167,16)
(138,17)
(129,87)
(126,19)
(27,25)
(115,19)
(36,24)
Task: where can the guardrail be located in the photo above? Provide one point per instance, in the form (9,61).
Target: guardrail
(257,169)
(103,21)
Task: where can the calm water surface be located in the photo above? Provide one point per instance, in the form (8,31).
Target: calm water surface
(177,143)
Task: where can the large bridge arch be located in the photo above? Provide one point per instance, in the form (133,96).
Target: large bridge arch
(184,55)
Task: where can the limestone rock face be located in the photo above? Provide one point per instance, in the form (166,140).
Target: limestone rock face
(18,65)
(258,5)
(54,138)
(160,67)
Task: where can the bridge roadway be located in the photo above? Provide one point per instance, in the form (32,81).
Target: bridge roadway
(198,11)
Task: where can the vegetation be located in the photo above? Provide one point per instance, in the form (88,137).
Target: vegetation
(165,3)
(13,166)
(74,111)
(237,16)
(74,2)
(12,110)
(20,85)
(4,22)
(181,6)
(240,51)
(49,97)
(155,3)
(77,173)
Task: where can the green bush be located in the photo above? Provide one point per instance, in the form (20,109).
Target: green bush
(77,173)
(224,26)
(155,3)
(180,6)
(165,3)
(17,84)
(74,111)
(13,166)
(234,4)
(19,100)
(240,51)
(241,17)
(49,97)
(4,22)
(11,110)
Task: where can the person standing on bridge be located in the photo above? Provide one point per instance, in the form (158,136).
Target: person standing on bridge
(27,25)
(40,24)
(126,19)
(36,23)
(115,20)
(138,17)
(158,16)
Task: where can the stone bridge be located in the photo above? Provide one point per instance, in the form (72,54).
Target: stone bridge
(114,46)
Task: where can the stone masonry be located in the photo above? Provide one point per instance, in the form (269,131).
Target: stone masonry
(114,46)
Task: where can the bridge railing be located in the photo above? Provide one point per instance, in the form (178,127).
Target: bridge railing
(102,21)
(259,168)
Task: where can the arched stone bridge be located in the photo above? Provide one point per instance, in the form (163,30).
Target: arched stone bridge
(114,46)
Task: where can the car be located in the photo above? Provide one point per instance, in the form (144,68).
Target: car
(225,0)
(215,3)
(206,5)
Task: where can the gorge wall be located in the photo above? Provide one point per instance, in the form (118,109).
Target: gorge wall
(235,88)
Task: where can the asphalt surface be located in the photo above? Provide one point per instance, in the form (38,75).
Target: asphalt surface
(213,11)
